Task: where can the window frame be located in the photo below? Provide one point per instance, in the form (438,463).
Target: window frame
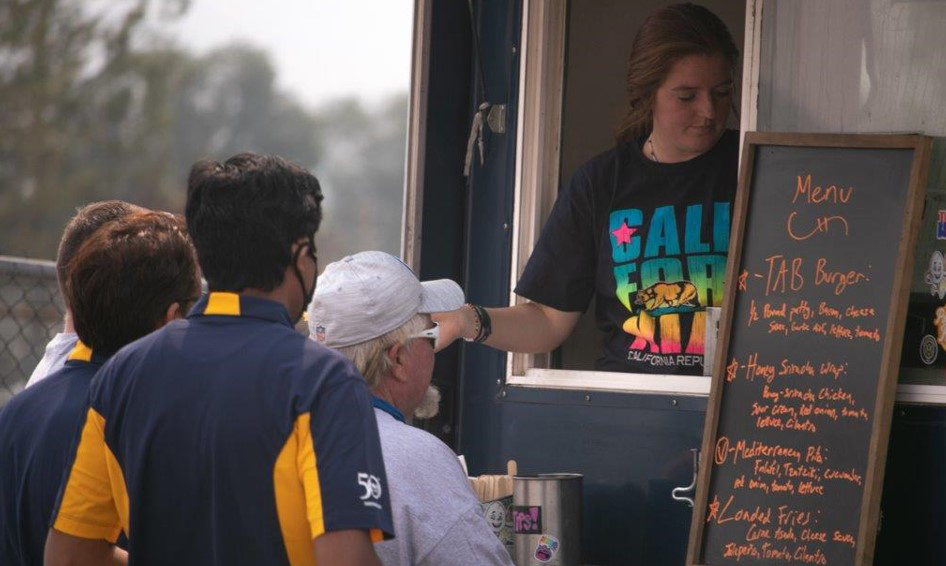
(417,104)
(538,153)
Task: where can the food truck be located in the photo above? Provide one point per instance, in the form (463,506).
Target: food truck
(509,97)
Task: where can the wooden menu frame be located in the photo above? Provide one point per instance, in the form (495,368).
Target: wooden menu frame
(879,427)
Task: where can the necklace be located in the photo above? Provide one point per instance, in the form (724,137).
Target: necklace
(653,154)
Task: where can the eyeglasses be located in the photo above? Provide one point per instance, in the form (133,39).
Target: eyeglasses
(433,334)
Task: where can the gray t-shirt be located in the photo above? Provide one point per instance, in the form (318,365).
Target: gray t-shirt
(437,518)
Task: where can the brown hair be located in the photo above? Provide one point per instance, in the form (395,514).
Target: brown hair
(668,34)
(124,277)
(87,220)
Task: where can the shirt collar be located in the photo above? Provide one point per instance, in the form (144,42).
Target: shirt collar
(233,304)
(83,354)
(388,408)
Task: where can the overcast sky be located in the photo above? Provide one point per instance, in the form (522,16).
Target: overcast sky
(322,49)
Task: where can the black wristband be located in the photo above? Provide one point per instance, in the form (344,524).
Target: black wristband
(486,323)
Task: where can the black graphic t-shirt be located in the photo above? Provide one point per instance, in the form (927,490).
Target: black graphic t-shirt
(649,241)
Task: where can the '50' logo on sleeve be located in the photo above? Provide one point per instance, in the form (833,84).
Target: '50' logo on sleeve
(372,487)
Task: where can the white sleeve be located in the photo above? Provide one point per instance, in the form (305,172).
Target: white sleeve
(54,358)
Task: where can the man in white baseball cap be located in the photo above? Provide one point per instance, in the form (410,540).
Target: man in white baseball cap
(371,307)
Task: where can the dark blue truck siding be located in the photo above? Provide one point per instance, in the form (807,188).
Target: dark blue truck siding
(633,449)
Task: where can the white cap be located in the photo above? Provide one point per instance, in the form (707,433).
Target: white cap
(366,295)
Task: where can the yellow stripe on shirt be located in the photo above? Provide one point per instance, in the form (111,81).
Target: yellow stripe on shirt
(309,473)
(81,352)
(88,506)
(298,494)
(225,304)
(119,491)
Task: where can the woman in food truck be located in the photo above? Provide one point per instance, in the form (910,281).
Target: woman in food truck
(644,227)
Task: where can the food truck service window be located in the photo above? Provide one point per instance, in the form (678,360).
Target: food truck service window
(572,97)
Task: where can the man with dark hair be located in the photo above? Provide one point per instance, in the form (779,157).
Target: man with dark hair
(229,438)
(87,220)
(127,279)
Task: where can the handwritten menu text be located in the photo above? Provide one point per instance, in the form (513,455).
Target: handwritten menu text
(799,383)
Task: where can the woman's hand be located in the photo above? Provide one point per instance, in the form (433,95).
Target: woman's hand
(460,323)
(528,328)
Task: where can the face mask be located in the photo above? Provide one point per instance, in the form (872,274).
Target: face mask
(306,293)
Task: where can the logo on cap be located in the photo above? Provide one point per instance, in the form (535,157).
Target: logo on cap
(320,333)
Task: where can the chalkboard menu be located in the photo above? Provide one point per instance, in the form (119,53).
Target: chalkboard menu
(803,389)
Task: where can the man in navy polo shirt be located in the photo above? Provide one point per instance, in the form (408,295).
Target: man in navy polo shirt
(228,438)
(128,278)
(87,220)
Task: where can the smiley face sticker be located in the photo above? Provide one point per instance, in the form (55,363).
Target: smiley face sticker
(546,548)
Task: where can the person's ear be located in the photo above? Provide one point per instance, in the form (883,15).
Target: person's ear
(395,356)
(299,252)
(174,311)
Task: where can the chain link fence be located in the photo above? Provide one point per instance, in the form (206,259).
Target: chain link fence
(31,311)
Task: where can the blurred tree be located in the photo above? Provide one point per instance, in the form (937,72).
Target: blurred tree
(361,168)
(178,109)
(113,110)
(227,103)
(53,55)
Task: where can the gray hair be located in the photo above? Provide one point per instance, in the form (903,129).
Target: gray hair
(429,405)
(370,357)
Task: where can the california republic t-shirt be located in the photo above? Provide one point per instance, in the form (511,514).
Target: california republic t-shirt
(649,241)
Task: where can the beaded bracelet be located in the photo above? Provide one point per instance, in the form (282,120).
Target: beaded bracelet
(484,325)
(479,324)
